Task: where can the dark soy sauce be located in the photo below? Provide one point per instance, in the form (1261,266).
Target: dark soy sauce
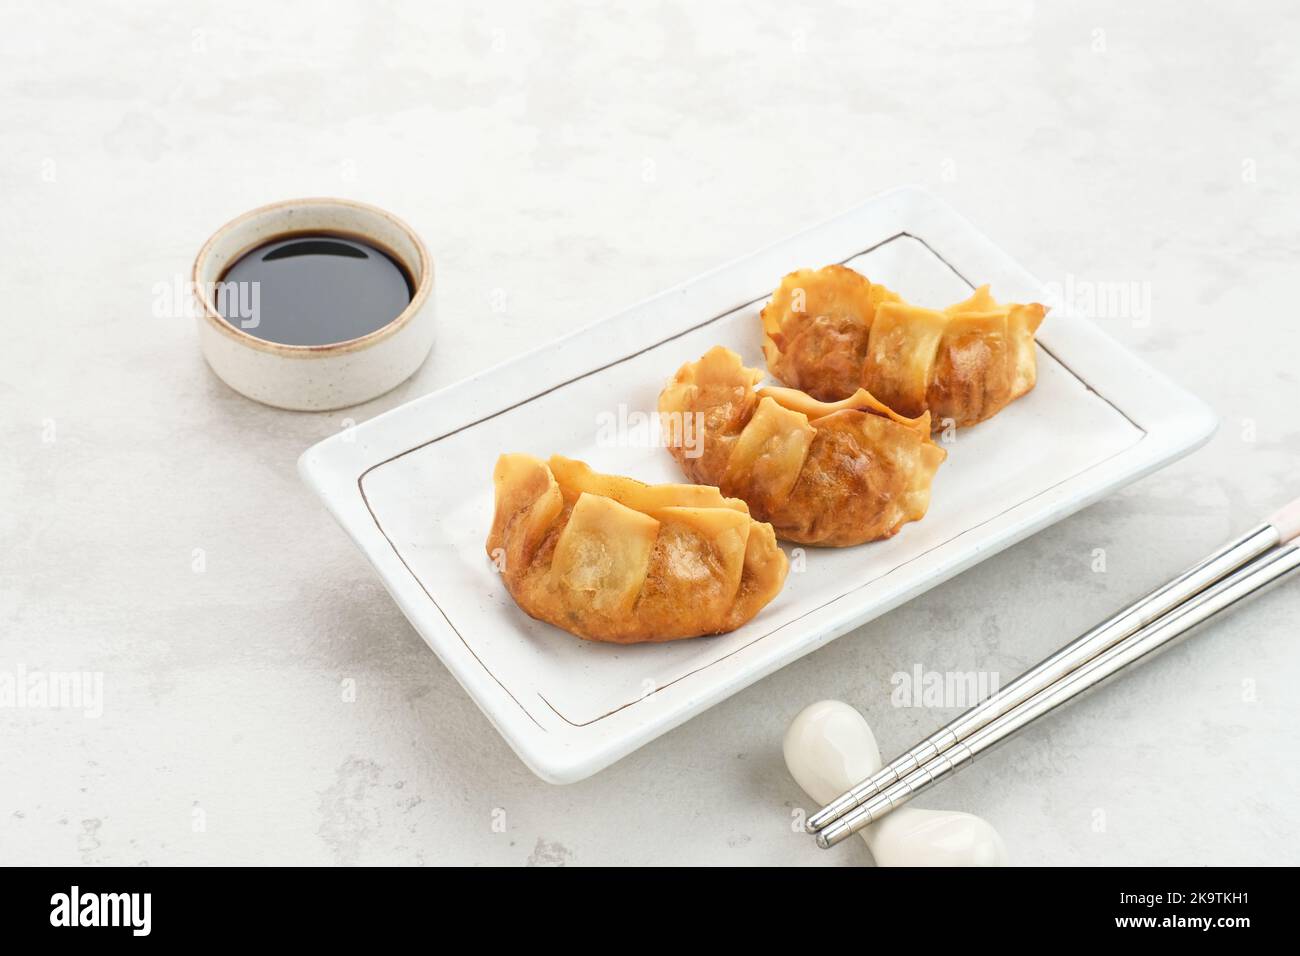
(313,289)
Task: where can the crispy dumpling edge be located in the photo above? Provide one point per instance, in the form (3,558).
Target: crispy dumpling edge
(676,397)
(764,566)
(842,282)
(1021,357)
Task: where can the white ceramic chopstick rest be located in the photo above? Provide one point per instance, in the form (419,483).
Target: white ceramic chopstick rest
(829,747)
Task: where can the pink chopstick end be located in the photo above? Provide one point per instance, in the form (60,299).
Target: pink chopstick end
(1287,521)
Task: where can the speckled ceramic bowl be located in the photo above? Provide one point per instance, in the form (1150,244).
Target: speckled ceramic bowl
(315,377)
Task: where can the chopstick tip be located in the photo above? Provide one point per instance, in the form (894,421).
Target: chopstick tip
(1287,521)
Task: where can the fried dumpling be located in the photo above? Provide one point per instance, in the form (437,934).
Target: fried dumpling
(611,559)
(822,473)
(831,331)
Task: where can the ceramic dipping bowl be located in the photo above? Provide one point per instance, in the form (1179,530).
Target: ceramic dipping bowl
(315,377)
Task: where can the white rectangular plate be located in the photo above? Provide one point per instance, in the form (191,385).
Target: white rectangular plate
(413,487)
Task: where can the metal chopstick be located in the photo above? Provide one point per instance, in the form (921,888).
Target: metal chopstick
(1105,635)
(1227,592)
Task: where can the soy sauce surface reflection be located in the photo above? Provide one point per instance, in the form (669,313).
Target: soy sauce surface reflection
(313,289)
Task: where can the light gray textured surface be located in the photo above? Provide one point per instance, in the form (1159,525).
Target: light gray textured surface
(561,166)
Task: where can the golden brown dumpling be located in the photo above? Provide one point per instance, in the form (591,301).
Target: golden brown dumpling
(822,473)
(612,559)
(816,329)
(831,331)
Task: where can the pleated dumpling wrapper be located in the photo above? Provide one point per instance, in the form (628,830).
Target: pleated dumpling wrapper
(834,474)
(611,559)
(831,331)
